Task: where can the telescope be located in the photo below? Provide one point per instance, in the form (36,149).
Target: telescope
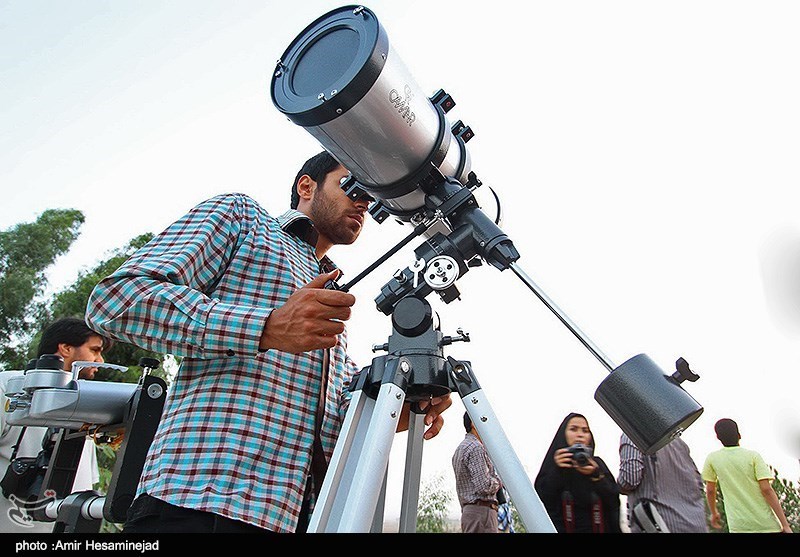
(46,395)
(342,81)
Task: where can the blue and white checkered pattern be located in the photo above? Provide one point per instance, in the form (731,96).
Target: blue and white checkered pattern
(238,426)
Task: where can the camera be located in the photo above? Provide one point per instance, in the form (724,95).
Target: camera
(580,453)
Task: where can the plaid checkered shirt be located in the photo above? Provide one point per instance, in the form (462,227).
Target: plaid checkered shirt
(237,431)
(476,478)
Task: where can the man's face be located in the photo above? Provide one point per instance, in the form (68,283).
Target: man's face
(89,351)
(335,216)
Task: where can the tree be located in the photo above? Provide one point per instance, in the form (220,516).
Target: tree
(72,302)
(789,495)
(432,507)
(26,251)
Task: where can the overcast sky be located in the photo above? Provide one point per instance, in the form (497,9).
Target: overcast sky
(645,153)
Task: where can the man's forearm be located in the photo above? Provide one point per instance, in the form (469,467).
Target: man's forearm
(711,497)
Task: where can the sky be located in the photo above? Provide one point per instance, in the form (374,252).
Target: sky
(645,156)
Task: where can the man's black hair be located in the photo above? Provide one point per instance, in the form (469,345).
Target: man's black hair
(67,330)
(317,167)
(467,422)
(727,432)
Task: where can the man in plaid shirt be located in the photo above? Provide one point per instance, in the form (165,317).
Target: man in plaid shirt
(477,483)
(255,409)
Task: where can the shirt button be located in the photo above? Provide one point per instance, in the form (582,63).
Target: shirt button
(231,352)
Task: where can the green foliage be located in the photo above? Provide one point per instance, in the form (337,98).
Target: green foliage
(26,251)
(432,507)
(516,520)
(72,302)
(789,495)
(106,458)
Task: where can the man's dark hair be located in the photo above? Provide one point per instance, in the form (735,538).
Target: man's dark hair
(317,167)
(727,432)
(467,422)
(67,330)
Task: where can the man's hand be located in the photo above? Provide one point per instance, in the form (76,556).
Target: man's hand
(433,409)
(310,319)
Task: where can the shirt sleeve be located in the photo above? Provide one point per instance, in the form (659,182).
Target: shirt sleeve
(631,466)
(761,468)
(709,474)
(158,298)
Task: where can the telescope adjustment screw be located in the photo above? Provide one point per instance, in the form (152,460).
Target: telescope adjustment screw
(462,337)
(154,391)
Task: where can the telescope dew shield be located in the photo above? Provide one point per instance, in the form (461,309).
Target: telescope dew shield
(341,80)
(649,406)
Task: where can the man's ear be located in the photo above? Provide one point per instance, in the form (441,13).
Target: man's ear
(64,350)
(305,187)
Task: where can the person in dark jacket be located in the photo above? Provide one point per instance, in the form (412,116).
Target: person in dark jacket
(575,485)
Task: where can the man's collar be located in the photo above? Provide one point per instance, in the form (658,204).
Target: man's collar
(300,226)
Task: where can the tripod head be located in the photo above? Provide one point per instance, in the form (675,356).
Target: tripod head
(415,358)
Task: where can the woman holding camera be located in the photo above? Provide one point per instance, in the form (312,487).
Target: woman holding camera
(575,486)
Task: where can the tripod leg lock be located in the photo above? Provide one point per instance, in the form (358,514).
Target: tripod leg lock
(461,377)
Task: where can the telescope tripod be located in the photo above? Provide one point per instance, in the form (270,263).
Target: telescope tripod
(414,369)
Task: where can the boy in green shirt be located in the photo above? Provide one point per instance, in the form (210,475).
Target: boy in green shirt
(751,505)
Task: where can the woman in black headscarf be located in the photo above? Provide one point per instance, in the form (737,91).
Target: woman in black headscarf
(576,487)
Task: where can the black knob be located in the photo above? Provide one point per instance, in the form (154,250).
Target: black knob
(50,361)
(152,363)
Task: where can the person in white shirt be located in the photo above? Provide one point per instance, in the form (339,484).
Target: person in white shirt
(71,339)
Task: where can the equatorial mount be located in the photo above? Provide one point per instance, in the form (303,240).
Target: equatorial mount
(649,405)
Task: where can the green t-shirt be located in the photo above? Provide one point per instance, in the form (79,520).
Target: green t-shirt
(736,471)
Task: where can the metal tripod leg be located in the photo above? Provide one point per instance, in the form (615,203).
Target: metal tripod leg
(516,481)
(352,486)
(413,473)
